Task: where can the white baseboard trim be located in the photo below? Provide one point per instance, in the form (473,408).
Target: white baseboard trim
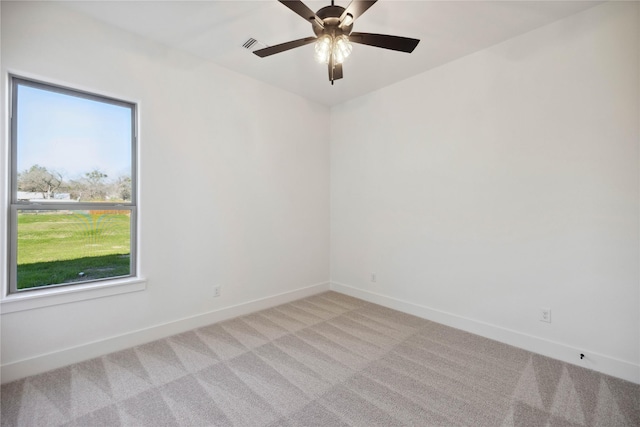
(58,359)
(597,362)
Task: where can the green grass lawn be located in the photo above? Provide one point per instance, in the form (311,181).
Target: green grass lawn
(64,247)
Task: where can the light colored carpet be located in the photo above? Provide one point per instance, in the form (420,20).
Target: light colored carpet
(327,360)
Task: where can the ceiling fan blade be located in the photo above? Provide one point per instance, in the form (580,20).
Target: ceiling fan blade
(402,44)
(301,9)
(331,68)
(355,9)
(272,50)
(337,72)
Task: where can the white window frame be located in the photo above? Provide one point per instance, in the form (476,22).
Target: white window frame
(13,299)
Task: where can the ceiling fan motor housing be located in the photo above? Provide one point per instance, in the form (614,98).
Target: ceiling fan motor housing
(330,15)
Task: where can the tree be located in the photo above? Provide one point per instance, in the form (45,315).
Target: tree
(122,188)
(38,179)
(75,188)
(94,184)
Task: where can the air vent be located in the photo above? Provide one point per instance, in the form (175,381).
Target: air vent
(252,44)
(249,43)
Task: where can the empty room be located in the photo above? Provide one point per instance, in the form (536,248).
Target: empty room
(320,213)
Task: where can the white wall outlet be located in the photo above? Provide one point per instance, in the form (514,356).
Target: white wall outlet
(216,291)
(545,314)
(374,277)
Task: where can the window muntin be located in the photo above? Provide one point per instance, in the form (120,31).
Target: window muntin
(73,179)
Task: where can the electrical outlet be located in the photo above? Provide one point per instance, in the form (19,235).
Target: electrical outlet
(545,314)
(374,278)
(216,291)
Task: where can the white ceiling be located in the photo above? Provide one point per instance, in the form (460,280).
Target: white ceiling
(216,30)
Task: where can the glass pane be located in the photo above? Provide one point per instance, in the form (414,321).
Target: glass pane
(66,246)
(72,148)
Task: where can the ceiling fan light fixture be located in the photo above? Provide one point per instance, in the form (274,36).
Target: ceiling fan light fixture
(341,49)
(323,49)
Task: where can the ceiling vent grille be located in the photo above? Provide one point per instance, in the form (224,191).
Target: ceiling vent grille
(252,44)
(249,43)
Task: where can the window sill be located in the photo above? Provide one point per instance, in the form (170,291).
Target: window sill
(49,297)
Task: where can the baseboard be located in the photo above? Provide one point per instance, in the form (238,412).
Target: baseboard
(597,362)
(46,362)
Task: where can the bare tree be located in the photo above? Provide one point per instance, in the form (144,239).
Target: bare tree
(94,184)
(75,188)
(38,179)
(122,188)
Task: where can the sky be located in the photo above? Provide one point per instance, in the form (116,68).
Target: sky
(72,135)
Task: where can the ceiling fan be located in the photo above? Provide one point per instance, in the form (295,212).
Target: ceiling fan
(332,26)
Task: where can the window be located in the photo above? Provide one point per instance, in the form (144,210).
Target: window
(73,205)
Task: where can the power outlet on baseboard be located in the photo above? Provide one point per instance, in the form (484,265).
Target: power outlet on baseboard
(374,277)
(216,291)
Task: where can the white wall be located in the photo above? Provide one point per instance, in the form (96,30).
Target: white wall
(233,191)
(500,183)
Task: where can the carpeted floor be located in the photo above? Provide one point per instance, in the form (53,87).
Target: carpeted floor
(327,360)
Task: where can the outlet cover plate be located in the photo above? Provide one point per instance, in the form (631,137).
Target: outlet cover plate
(545,314)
